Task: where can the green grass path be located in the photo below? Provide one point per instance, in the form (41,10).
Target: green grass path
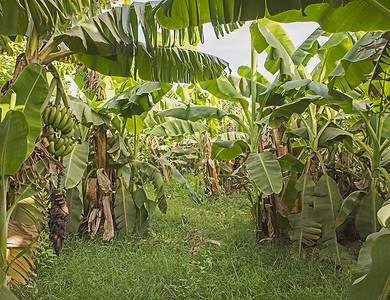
(193,252)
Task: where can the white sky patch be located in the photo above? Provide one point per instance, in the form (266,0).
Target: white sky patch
(235,46)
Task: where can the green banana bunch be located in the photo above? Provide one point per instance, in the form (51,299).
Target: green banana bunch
(59,139)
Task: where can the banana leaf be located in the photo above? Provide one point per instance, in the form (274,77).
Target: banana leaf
(348,205)
(179,178)
(308,48)
(373,267)
(327,202)
(31,90)
(366,220)
(265,171)
(228,149)
(333,16)
(108,43)
(279,55)
(75,207)
(177,128)
(124,208)
(135,100)
(151,173)
(193,113)
(75,163)
(13,143)
(357,63)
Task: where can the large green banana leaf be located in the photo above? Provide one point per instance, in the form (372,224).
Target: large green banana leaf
(265,171)
(108,43)
(332,16)
(31,90)
(373,267)
(13,143)
(193,113)
(177,128)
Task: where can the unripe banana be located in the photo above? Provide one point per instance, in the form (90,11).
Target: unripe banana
(58,143)
(46,114)
(70,134)
(64,120)
(51,148)
(68,126)
(45,141)
(69,149)
(60,151)
(58,118)
(52,115)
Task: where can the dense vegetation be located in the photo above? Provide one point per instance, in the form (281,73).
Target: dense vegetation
(310,151)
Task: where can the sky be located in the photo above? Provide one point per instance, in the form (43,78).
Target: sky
(235,46)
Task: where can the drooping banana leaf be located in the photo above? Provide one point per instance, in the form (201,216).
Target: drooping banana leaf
(31,90)
(75,207)
(373,267)
(340,16)
(124,208)
(108,43)
(193,113)
(44,15)
(29,211)
(327,202)
(76,163)
(305,230)
(265,171)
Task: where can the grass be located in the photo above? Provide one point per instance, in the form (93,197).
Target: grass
(193,252)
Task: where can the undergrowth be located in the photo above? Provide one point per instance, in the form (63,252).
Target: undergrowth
(192,252)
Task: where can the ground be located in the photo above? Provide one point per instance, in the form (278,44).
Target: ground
(192,252)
